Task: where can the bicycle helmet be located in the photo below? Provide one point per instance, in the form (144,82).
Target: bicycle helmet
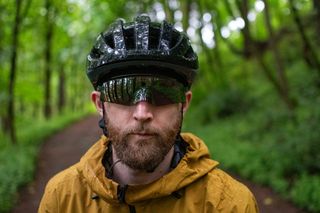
(142,47)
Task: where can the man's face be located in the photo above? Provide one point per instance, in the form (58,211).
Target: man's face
(142,134)
(143,115)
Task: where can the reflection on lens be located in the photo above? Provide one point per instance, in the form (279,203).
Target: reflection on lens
(155,90)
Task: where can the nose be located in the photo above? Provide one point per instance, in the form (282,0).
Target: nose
(143,111)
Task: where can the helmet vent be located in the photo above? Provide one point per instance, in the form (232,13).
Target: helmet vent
(154,38)
(189,54)
(95,53)
(108,39)
(128,35)
(174,39)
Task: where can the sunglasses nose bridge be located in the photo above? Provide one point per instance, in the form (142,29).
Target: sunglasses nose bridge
(143,94)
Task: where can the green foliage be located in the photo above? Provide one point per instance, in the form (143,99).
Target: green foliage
(307,190)
(220,104)
(270,151)
(16,169)
(18,161)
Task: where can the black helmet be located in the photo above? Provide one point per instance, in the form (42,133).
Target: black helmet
(142,47)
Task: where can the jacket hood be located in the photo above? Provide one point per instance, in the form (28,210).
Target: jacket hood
(195,164)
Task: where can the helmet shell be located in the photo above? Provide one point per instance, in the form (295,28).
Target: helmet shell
(142,47)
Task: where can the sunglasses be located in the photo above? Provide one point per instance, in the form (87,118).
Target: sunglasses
(131,90)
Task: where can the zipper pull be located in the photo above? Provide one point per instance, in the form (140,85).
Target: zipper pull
(121,193)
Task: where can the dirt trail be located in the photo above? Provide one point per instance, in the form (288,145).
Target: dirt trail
(66,147)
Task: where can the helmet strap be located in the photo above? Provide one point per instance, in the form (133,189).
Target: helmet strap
(102,121)
(181,113)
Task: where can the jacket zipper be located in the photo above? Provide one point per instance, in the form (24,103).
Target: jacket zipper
(132,209)
(121,197)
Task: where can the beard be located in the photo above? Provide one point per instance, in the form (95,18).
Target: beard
(143,154)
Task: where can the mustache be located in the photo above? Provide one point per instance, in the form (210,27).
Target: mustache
(140,128)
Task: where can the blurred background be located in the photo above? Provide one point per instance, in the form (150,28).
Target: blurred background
(256,98)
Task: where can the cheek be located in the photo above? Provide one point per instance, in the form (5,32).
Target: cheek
(118,114)
(166,117)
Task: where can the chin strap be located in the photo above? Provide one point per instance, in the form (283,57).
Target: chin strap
(180,149)
(102,122)
(181,113)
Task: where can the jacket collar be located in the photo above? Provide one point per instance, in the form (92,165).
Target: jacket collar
(195,164)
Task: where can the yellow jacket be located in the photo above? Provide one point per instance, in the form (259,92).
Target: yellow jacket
(195,185)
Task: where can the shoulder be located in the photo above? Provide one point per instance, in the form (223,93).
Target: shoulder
(64,180)
(75,174)
(228,193)
(66,184)
(58,187)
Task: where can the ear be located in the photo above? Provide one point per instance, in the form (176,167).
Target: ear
(95,98)
(186,105)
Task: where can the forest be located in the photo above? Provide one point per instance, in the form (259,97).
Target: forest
(256,97)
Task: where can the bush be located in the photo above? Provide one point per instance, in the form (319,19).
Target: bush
(221,104)
(306,192)
(16,169)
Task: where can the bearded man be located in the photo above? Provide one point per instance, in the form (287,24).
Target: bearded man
(142,72)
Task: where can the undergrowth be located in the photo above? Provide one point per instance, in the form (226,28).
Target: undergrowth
(284,156)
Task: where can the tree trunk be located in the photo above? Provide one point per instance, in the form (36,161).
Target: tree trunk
(143,6)
(2,32)
(268,72)
(249,49)
(280,69)
(212,74)
(316,7)
(185,7)
(168,11)
(246,50)
(309,54)
(48,58)
(61,90)
(228,7)
(10,119)
(216,30)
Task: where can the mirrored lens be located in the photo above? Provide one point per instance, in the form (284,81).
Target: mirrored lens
(131,90)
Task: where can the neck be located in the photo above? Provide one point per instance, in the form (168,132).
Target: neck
(125,175)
